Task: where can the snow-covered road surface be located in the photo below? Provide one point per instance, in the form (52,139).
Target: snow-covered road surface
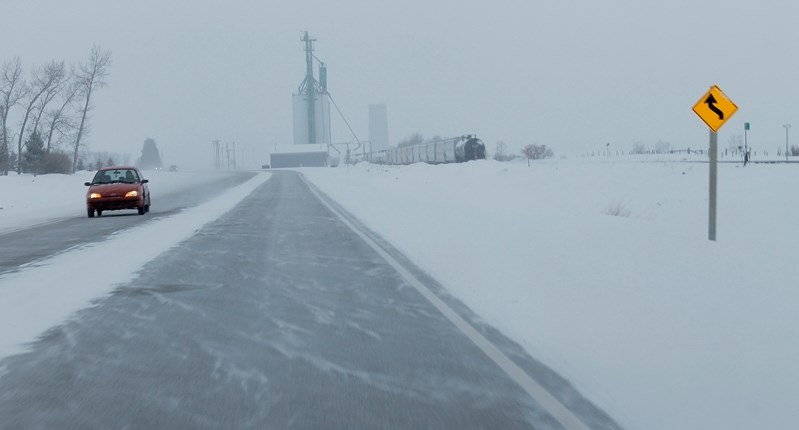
(47,290)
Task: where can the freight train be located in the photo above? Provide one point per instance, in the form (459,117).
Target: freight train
(454,150)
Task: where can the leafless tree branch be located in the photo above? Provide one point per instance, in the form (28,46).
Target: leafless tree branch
(12,90)
(56,73)
(59,120)
(44,78)
(91,77)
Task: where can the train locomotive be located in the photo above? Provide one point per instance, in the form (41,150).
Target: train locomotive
(453,150)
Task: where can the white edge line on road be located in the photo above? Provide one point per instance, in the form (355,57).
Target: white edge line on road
(552,405)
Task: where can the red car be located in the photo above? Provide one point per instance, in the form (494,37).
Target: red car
(115,188)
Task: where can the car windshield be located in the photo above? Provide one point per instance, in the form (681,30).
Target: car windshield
(119,175)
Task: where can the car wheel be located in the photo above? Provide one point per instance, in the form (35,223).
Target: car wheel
(90,212)
(142,209)
(99,212)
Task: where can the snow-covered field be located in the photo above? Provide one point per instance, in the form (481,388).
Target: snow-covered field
(656,324)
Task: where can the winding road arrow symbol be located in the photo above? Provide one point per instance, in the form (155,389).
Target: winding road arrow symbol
(719,108)
(711,101)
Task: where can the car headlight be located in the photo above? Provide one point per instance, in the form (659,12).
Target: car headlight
(132,194)
(94,196)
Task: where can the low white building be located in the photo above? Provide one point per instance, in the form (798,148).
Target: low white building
(310,155)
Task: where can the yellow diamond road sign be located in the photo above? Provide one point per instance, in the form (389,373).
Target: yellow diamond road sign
(714,108)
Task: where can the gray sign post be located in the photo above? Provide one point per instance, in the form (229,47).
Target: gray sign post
(711,228)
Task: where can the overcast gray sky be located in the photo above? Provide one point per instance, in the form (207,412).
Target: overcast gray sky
(571,74)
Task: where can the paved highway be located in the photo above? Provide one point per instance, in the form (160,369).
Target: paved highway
(29,245)
(280,314)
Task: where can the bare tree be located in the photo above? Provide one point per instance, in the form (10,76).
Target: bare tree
(638,148)
(43,79)
(662,147)
(56,73)
(91,77)
(59,120)
(528,152)
(537,152)
(12,90)
(735,142)
(435,138)
(500,153)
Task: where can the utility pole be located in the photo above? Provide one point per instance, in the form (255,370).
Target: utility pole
(215,144)
(787,126)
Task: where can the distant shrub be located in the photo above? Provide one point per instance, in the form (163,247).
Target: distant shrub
(618,209)
(414,139)
(638,148)
(537,152)
(56,162)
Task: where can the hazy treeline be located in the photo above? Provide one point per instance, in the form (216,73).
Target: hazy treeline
(417,139)
(531,151)
(44,113)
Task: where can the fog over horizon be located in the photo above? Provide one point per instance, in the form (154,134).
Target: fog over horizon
(575,76)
